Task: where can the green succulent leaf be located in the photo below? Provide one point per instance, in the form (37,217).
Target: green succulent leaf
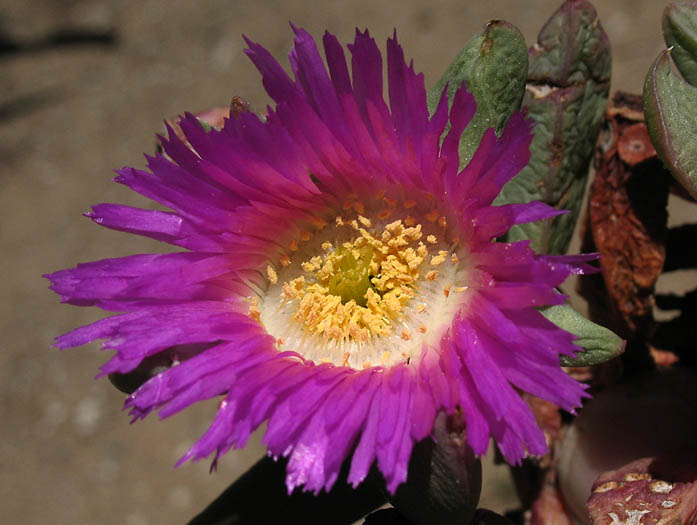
(680,33)
(670,106)
(566,95)
(494,66)
(599,343)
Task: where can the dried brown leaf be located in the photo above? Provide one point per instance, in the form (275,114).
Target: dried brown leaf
(628,213)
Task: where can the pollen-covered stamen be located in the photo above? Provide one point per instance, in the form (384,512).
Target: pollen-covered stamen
(361,293)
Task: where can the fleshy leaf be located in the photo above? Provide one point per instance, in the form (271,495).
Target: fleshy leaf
(671,117)
(680,33)
(494,66)
(599,343)
(445,477)
(566,95)
(245,501)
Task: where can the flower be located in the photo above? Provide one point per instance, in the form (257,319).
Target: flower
(341,280)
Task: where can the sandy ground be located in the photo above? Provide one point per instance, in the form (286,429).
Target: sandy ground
(69,115)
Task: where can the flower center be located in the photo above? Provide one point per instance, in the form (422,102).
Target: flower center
(364,291)
(352,280)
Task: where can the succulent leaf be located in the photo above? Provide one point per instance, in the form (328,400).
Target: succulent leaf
(445,477)
(671,118)
(494,66)
(599,343)
(566,95)
(680,33)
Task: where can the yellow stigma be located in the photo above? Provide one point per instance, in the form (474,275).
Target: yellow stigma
(352,280)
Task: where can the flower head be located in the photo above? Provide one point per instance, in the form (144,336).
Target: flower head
(341,280)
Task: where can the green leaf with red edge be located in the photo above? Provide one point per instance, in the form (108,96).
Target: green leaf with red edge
(670,107)
(566,95)
(680,34)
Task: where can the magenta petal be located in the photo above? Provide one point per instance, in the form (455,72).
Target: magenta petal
(478,433)
(365,452)
(292,412)
(494,221)
(317,87)
(463,109)
(496,391)
(393,413)
(329,443)
(497,161)
(366,66)
(336,61)
(171,277)
(425,410)
(162,226)
(345,430)
(407,95)
(276,81)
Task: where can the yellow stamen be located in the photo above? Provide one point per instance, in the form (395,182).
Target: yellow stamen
(272,275)
(254,311)
(437,260)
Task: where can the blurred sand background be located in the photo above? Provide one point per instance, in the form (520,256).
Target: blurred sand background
(69,115)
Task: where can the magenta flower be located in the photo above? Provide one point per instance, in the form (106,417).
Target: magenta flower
(341,280)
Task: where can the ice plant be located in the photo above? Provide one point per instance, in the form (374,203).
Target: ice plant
(341,281)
